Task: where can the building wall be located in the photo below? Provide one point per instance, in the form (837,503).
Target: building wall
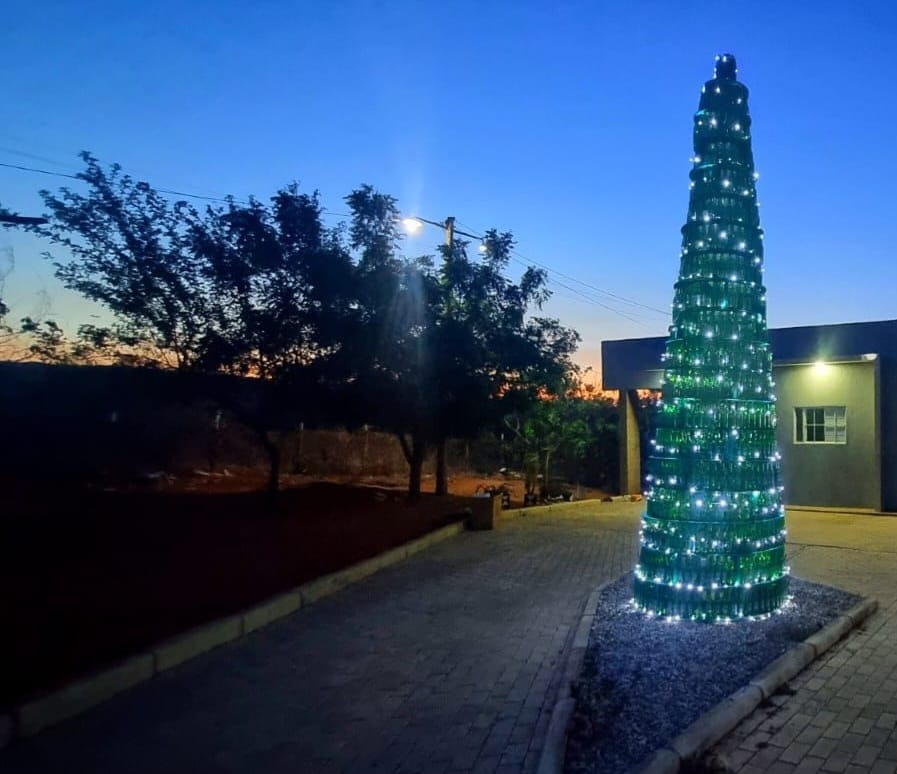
(846,475)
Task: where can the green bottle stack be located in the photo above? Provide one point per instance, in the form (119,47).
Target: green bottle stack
(713,536)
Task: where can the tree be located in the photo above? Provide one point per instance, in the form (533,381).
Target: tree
(445,350)
(713,543)
(5,330)
(494,358)
(7,262)
(284,287)
(249,290)
(129,249)
(565,436)
(389,352)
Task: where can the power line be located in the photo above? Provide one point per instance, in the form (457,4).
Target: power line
(520,259)
(595,288)
(35,157)
(590,299)
(582,297)
(621,299)
(169,191)
(67,165)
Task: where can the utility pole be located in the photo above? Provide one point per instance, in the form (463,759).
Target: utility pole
(412,224)
(449,232)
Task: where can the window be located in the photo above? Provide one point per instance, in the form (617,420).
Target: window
(820,424)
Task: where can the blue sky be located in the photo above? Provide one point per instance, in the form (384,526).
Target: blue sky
(568,123)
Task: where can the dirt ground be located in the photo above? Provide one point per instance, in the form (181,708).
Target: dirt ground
(461,484)
(92,575)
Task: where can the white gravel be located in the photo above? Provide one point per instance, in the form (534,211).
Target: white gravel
(644,680)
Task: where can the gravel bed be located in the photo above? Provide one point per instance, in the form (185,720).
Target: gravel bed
(644,680)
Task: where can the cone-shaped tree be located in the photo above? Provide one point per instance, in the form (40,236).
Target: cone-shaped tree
(713,539)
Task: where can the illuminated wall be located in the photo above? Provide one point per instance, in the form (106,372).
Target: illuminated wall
(844,469)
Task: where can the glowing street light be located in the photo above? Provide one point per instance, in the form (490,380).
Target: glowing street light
(413,224)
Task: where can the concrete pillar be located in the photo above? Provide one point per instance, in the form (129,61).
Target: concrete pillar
(630,446)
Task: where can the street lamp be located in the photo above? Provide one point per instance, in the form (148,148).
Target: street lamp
(413,224)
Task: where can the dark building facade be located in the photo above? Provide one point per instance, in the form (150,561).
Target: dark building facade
(836,410)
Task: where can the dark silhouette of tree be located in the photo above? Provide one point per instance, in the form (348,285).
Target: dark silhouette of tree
(427,349)
(494,357)
(129,249)
(283,288)
(390,358)
(7,218)
(253,290)
(447,349)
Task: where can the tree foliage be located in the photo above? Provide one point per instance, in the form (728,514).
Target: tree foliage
(450,342)
(127,247)
(335,321)
(565,437)
(253,290)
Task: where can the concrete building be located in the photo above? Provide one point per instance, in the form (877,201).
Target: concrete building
(836,387)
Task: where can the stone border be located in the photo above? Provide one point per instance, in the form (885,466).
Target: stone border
(33,716)
(837,510)
(714,724)
(551,759)
(541,510)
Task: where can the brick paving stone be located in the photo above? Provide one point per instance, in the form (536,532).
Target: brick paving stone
(877,737)
(795,753)
(737,758)
(836,730)
(514,754)
(445,662)
(790,730)
(867,755)
(809,765)
(765,757)
(810,735)
(850,713)
(850,742)
(889,750)
(486,765)
(837,762)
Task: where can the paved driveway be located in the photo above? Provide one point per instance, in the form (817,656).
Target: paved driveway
(446,662)
(843,716)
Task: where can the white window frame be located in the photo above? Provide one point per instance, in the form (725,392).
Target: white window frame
(834,419)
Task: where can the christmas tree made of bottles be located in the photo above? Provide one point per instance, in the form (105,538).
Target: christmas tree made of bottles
(713,537)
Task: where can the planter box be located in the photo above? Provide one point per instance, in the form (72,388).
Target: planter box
(485,512)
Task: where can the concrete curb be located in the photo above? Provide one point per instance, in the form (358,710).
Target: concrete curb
(540,510)
(77,697)
(551,759)
(714,724)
